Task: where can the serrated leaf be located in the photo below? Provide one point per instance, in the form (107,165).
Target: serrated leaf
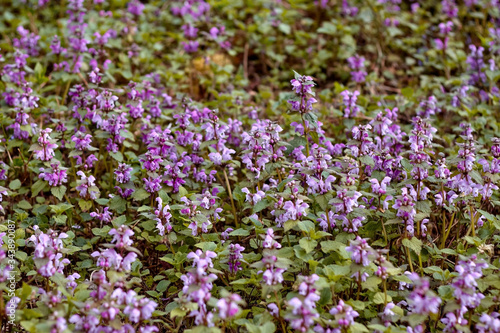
(415,244)
(329,246)
(379,298)
(260,205)
(117,156)
(367,160)
(308,244)
(85,205)
(58,191)
(140,195)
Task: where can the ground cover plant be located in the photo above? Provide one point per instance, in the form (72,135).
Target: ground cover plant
(250,166)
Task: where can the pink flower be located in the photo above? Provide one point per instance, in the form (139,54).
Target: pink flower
(228,306)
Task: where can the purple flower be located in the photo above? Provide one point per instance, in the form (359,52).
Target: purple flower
(228,306)
(327,221)
(122,173)
(273,310)
(86,186)
(163,217)
(344,314)
(489,323)
(106,101)
(190,46)
(465,284)
(360,251)
(234,257)
(198,284)
(348,10)
(421,300)
(357,64)
(476,65)
(55,176)
(135,7)
(269,240)
(140,309)
(82,142)
(273,276)
(302,85)
(105,216)
(380,188)
(349,100)
(48,252)
(302,316)
(28,41)
(121,236)
(152,185)
(45,145)
(253,198)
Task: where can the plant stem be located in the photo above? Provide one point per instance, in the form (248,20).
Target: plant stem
(472,225)
(385,292)
(449,230)
(305,134)
(420,264)
(279,308)
(231,197)
(409,259)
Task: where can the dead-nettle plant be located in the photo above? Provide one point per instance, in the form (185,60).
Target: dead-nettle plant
(165,167)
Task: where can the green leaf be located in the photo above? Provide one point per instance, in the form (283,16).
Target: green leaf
(415,244)
(260,205)
(488,216)
(85,205)
(367,160)
(372,282)
(407,92)
(379,298)
(325,296)
(329,246)
(117,156)
(334,272)
(322,201)
(357,327)
(423,207)
(290,225)
(162,286)
(118,204)
(206,246)
(22,256)
(308,244)
(140,195)
(24,205)
(119,221)
(37,187)
(237,194)
(285,28)
(177,312)
(306,226)
(241,281)
(328,28)
(58,191)
(239,232)
(15,184)
(101,232)
(268,327)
